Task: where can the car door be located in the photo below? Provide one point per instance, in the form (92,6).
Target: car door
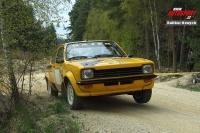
(51,67)
(57,68)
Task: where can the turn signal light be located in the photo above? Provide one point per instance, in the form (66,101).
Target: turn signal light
(147,80)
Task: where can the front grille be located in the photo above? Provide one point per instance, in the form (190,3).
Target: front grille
(117,72)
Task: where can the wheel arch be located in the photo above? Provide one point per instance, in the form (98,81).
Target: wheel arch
(48,79)
(69,77)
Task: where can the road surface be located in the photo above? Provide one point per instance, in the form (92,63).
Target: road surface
(170,110)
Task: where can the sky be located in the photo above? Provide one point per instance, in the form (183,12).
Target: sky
(60,30)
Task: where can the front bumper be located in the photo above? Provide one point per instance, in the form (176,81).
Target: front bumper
(115,80)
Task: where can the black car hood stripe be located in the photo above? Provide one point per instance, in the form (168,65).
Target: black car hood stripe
(90,63)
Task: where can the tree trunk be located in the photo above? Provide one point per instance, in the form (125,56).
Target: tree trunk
(13,84)
(30,78)
(158,41)
(182,54)
(168,52)
(146,31)
(152,24)
(147,41)
(174,51)
(157,47)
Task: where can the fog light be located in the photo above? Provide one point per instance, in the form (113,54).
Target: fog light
(87,86)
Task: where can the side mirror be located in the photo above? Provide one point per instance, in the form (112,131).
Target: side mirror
(59,60)
(130,55)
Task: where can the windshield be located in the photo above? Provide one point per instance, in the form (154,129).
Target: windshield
(93,50)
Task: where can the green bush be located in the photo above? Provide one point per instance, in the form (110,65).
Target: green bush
(44,117)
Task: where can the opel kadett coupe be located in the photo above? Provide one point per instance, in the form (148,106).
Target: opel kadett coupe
(97,68)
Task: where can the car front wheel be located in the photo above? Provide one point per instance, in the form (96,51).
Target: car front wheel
(142,96)
(50,90)
(75,102)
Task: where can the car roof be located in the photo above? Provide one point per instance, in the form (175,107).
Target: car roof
(87,41)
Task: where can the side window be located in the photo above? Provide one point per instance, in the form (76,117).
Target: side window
(53,58)
(60,54)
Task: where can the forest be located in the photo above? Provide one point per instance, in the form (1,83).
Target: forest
(139,27)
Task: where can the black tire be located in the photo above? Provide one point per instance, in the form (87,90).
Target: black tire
(75,102)
(142,96)
(64,92)
(51,91)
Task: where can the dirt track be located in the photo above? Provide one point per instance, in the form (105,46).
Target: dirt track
(171,110)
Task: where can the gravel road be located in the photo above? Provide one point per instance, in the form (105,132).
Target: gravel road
(170,110)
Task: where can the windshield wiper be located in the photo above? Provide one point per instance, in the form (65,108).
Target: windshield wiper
(77,57)
(103,55)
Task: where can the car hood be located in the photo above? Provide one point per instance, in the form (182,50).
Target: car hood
(106,63)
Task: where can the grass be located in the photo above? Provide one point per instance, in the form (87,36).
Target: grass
(196,88)
(42,116)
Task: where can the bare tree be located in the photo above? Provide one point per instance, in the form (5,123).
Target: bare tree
(155,35)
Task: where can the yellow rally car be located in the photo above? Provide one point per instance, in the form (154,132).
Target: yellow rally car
(95,68)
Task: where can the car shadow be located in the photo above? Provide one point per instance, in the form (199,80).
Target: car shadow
(116,104)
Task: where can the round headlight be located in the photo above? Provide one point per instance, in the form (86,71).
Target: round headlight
(147,69)
(87,74)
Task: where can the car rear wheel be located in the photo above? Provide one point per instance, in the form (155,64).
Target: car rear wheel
(63,92)
(75,102)
(142,96)
(50,90)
